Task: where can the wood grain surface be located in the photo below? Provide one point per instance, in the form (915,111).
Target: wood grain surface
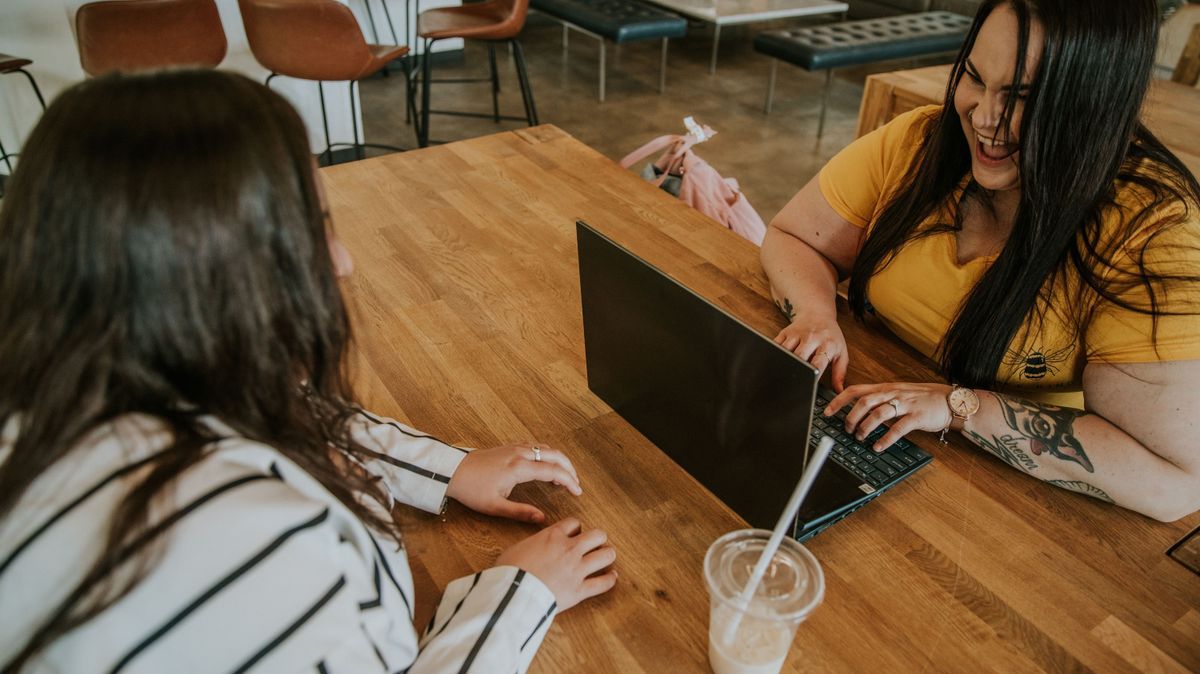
(1171,111)
(466,308)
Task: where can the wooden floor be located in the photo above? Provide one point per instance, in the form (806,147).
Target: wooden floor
(772,156)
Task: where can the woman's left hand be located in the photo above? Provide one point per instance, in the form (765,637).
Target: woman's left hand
(486,477)
(903,407)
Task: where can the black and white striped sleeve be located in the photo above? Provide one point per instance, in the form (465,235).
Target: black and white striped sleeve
(493,621)
(417,467)
(257,568)
(258,573)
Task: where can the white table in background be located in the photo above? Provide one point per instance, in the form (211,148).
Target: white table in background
(734,12)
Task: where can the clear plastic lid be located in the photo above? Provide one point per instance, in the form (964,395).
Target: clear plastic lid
(791,588)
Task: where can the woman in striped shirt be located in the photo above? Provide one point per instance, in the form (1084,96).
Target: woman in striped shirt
(185,481)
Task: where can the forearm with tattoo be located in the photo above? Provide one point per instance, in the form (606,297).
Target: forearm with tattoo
(1047,427)
(1083,488)
(1040,430)
(1007,449)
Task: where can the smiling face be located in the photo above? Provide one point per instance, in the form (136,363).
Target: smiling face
(985,89)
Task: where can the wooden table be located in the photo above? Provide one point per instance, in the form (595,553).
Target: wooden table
(466,307)
(1172,110)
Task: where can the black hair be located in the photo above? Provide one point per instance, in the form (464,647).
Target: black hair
(1081,142)
(164,252)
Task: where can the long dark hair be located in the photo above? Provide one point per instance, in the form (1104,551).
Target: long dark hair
(163,251)
(1081,141)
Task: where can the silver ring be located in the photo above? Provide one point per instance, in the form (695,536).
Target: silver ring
(537,453)
(895,406)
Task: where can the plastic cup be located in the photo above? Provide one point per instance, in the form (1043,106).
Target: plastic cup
(791,588)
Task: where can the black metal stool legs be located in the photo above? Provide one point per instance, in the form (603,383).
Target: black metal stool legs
(36,92)
(426,72)
(526,89)
(426,82)
(410,110)
(325,125)
(410,94)
(495,82)
(4,155)
(359,147)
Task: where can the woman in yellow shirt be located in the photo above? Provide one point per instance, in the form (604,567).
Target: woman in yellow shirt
(1033,237)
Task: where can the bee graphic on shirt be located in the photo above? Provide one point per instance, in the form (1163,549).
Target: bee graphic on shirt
(1036,364)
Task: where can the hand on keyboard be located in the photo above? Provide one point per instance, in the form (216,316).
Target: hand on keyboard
(902,406)
(878,469)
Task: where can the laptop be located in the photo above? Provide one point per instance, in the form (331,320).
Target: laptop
(731,407)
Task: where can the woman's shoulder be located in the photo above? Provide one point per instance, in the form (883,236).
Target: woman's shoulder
(903,135)
(860,178)
(917,118)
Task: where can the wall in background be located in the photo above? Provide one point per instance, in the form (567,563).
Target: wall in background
(41,30)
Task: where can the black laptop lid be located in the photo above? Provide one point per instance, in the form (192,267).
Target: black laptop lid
(727,404)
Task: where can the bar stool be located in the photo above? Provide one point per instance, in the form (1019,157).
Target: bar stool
(16,64)
(493,21)
(316,40)
(129,35)
(410,37)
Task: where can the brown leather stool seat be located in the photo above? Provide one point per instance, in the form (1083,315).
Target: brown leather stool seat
(10,64)
(316,40)
(130,35)
(494,21)
(16,64)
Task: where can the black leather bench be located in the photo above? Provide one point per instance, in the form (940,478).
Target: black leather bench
(834,45)
(617,21)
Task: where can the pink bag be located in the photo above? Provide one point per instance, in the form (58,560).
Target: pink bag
(701,187)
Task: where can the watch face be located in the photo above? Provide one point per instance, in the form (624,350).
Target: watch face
(964,402)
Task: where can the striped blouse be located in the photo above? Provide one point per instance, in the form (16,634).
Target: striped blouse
(260,567)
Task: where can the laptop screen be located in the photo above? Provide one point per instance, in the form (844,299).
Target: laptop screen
(727,404)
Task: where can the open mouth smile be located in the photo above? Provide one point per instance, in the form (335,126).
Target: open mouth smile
(990,152)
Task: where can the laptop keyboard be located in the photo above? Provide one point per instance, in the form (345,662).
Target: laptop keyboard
(880,470)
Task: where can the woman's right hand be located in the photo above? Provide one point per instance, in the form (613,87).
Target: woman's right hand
(564,557)
(820,342)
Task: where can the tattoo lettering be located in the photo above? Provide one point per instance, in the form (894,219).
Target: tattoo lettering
(1083,488)
(1047,427)
(785,305)
(1007,449)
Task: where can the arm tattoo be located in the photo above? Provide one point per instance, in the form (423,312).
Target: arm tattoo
(1007,449)
(1047,427)
(785,305)
(1083,488)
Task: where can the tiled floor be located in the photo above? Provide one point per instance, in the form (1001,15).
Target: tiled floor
(772,156)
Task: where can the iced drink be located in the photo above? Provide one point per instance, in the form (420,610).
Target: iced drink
(791,588)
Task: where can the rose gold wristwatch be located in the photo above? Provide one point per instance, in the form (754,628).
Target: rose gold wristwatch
(963,403)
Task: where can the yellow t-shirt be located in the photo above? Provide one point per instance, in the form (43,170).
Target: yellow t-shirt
(919,293)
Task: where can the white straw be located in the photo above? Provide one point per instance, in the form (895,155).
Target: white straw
(785,520)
